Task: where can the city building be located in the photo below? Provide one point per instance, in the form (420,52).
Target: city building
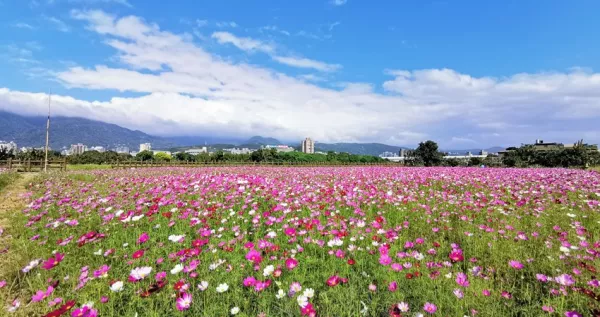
(145,147)
(197,151)
(483,152)
(240,151)
(280,148)
(77,149)
(97,148)
(9,146)
(308,146)
(387,154)
(122,149)
(404,152)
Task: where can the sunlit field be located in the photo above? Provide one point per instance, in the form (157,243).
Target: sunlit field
(252,241)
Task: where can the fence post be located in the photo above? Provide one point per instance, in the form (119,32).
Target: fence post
(9,163)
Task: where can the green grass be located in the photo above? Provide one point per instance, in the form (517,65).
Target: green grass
(7,178)
(87,167)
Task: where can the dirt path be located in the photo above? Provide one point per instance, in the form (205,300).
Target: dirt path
(11,198)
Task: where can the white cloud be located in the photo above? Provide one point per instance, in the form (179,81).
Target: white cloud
(338,2)
(306,63)
(58,24)
(201,23)
(225,24)
(186,90)
(244,43)
(21,25)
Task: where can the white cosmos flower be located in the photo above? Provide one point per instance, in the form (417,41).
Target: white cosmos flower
(140,273)
(222,288)
(99,252)
(309,292)
(203,285)
(302,301)
(178,268)
(176,238)
(271,234)
(565,249)
(136,218)
(118,213)
(117,286)
(235,310)
(268,270)
(280,294)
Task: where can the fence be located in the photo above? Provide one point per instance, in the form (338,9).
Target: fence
(138,164)
(33,165)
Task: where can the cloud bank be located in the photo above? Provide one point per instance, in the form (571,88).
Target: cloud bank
(187,90)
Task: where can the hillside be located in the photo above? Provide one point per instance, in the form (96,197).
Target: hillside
(357,148)
(64,131)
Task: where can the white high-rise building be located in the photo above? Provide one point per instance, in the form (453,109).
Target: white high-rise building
(308,146)
(145,147)
(77,148)
(9,146)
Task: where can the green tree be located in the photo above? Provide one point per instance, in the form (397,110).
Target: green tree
(144,156)
(427,153)
(162,157)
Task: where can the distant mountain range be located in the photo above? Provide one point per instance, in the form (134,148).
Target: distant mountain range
(64,131)
(30,131)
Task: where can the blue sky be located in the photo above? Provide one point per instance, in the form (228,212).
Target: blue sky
(464,73)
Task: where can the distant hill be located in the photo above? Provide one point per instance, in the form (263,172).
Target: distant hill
(64,131)
(357,148)
(259,140)
(494,149)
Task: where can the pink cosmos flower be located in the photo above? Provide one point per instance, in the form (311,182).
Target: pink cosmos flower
(55,301)
(573,313)
(249,281)
(53,261)
(548,309)
(143,238)
(458,293)
(160,276)
(291,263)
(254,256)
(308,310)
(84,311)
(184,302)
(462,279)
(456,255)
(2,283)
(565,279)
(430,308)
(102,271)
(41,295)
(393,286)
(515,264)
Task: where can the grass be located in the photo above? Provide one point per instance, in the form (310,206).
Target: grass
(87,167)
(7,178)
(485,211)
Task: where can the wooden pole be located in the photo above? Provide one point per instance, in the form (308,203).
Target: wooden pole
(47,134)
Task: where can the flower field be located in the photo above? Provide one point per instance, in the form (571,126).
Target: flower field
(251,241)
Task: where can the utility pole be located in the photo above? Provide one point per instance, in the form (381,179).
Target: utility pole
(47,132)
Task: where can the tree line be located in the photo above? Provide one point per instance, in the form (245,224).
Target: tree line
(427,154)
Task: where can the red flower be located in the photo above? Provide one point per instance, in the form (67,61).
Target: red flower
(138,254)
(62,309)
(456,256)
(351,261)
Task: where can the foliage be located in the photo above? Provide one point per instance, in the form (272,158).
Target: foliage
(145,156)
(95,157)
(426,154)
(526,156)
(87,167)
(7,178)
(162,157)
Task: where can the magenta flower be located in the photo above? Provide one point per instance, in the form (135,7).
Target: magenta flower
(53,261)
(254,256)
(41,295)
(430,308)
(515,264)
(249,281)
(393,286)
(143,238)
(184,302)
(102,271)
(291,263)
(160,276)
(573,313)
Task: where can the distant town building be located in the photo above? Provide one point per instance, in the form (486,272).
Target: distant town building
(387,154)
(280,148)
(9,146)
(483,152)
(404,152)
(77,149)
(308,146)
(145,147)
(240,151)
(97,148)
(122,149)
(197,151)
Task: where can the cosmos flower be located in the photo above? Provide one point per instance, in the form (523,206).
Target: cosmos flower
(116,286)
(139,273)
(222,288)
(184,301)
(53,261)
(430,308)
